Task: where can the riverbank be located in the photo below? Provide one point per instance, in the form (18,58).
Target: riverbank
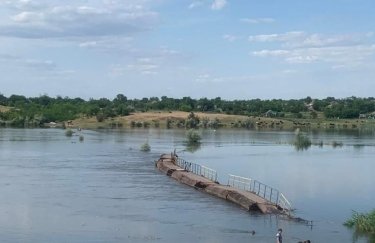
(177,119)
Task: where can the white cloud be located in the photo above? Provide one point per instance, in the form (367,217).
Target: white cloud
(338,56)
(40,64)
(22,4)
(203,78)
(339,51)
(286,37)
(272,53)
(289,71)
(195,4)
(231,38)
(218,4)
(88,44)
(27,17)
(27,62)
(302,39)
(118,44)
(148,62)
(25,20)
(143,68)
(32,66)
(258,20)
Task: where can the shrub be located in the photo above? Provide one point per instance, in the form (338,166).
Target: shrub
(145,147)
(192,121)
(146,124)
(156,123)
(169,123)
(362,223)
(193,136)
(215,124)
(313,115)
(205,121)
(69,133)
(301,142)
(248,124)
(100,117)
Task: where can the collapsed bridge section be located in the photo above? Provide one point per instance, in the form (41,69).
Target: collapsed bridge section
(247,193)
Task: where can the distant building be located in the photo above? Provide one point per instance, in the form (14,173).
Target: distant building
(362,116)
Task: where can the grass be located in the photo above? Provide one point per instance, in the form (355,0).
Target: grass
(362,223)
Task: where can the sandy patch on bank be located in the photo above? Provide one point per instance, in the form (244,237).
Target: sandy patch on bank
(4,108)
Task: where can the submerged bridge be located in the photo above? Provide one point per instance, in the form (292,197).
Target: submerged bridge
(248,193)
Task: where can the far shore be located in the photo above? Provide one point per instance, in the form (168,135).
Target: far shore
(176,119)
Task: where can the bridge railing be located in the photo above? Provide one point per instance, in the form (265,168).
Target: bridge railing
(240,182)
(269,193)
(197,169)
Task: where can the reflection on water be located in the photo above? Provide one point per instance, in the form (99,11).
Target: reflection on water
(56,189)
(192,147)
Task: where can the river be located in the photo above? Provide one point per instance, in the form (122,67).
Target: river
(57,189)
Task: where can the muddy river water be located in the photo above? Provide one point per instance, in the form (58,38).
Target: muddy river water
(55,188)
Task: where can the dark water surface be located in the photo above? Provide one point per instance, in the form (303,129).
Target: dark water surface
(57,189)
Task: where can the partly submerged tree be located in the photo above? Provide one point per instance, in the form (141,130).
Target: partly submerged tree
(193,137)
(301,141)
(146,147)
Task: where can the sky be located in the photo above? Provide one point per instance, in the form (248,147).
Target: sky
(234,49)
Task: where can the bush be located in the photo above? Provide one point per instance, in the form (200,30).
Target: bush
(192,121)
(100,117)
(362,223)
(146,124)
(169,123)
(69,133)
(205,121)
(215,124)
(156,123)
(248,124)
(145,147)
(193,136)
(301,142)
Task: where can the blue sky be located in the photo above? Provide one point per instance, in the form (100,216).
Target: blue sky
(235,49)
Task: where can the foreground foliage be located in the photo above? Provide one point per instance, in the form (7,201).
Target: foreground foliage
(362,223)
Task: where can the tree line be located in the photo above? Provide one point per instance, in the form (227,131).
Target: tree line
(38,110)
